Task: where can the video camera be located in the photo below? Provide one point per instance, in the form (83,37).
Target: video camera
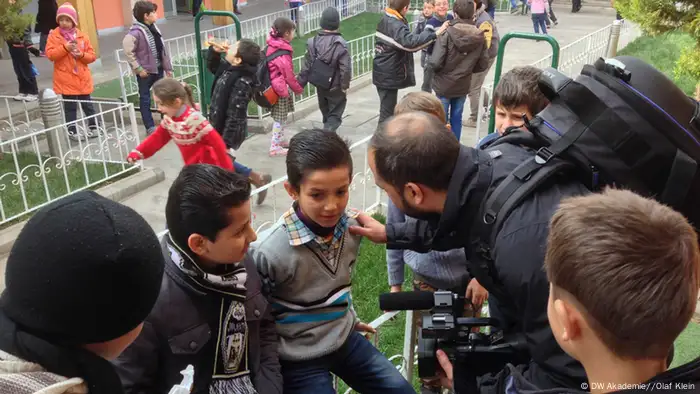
(444,328)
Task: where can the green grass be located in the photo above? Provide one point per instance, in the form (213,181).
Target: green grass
(370,280)
(35,192)
(662,52)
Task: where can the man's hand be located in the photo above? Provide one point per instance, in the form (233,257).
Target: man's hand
(443,28)
(396,288)
(446,373)
(366,328)
(476,293)
(369,228)
(169,74)
(143,74)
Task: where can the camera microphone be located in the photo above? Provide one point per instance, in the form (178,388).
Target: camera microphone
(405,301)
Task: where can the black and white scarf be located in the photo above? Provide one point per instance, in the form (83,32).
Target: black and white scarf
(231,370)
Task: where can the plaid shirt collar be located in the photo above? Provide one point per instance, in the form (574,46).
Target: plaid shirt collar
(299,234)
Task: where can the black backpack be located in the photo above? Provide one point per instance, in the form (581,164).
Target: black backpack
(264,95)
(620,123)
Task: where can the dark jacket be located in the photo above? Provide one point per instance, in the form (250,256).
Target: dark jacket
(457,54)
(488,26)
(332,49)
(46,16)
(393,52)
(682,379)
(433,24)
(177,333)
(518,254)
(231,92)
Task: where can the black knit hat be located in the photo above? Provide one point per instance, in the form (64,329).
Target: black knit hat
(330,19)
(84,269)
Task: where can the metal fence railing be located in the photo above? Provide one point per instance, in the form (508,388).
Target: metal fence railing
(39,163)
(182,49)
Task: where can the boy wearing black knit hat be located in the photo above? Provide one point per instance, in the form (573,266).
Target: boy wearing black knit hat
(81,278)
(211,313)
(327,66)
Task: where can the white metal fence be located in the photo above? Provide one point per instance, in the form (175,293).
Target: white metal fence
(182,49)
(39,163)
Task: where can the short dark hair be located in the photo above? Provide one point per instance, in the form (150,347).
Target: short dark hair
(520,86)
(199,200)
(249,51)
(464,9)
(632,263)
(399,5)
(415,147)
(142,8)
(313,150)
(282,26)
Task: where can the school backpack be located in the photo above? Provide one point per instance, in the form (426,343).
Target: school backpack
(620,123)
(264,95)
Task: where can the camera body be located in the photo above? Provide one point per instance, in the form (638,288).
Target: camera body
(446,329)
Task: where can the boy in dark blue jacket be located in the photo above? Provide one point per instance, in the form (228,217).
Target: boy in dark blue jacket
(440,16)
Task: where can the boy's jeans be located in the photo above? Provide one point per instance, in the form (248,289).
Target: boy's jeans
(454,108)
(539,21)
(71,109)
(358,363)
(332,105)
(145,85)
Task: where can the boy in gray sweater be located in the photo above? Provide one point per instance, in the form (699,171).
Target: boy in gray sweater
(305,262)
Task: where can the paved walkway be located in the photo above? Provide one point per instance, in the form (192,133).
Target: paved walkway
(359,122)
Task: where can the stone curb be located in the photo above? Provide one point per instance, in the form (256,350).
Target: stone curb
(117,191)
(304,109)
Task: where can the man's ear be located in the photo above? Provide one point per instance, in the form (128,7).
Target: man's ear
(291,191)
(197,244)
(414,193)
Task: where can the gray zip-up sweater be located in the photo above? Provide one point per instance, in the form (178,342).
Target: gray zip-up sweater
(310,296)
(442,270)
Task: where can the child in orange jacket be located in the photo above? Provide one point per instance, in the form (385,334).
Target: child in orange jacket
(70,51)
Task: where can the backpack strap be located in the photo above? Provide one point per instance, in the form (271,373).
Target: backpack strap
(495,209)
(680,179)
(276,54)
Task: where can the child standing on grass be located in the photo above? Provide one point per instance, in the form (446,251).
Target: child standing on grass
(234,82)
(147,55)
(70,51)
(539,15)
(195,137)
(331,51)
(282,79)
(305,262)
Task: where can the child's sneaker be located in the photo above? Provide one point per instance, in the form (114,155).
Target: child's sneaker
(31,98)
(20,97)
(278,151)
(469,122)
(75,135)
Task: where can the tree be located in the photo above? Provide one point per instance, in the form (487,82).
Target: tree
(12,21)
(661,16)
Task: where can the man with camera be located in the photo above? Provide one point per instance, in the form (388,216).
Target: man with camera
(430,176)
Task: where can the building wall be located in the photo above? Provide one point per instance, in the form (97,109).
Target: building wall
(112,14)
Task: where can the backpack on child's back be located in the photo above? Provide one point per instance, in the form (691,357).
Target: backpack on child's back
(264,95)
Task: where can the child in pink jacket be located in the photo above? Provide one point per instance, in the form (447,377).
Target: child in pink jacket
(539,15)
(282,79)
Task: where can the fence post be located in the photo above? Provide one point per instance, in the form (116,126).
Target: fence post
(52,115)
(614,38)
(409,343)
(301,20)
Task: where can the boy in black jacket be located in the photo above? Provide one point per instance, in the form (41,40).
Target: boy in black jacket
(23,67)
(330,48)
(232,90)
(394,47)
